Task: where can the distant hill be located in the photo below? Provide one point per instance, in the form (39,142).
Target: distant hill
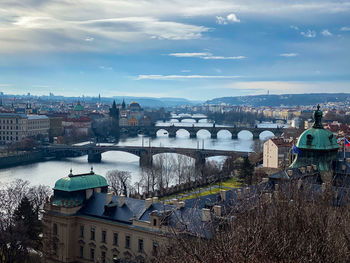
(156,102)
(285,99)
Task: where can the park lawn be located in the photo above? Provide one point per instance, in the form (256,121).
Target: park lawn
(205,193)
(233,182)
(226,185)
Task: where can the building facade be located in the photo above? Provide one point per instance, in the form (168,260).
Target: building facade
(15,127)
(86,223)
(276,152)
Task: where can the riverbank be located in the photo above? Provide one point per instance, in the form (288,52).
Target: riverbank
(21,158)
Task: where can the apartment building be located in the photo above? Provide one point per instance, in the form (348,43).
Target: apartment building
(14,127)
(276,152)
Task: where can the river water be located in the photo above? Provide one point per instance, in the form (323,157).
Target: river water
(49,172)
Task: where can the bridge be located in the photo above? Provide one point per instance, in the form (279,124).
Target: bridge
(191,117)
(146,154)
(193,130)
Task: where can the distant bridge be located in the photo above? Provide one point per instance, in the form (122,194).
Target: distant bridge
(191,117)
(146,154)
(193,130)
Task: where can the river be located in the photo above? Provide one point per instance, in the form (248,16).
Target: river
(48,172)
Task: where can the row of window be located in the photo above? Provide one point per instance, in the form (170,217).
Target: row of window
(8,138)
(8,121)
(104,237)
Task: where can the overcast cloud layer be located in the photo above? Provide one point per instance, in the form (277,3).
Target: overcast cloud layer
(173,48)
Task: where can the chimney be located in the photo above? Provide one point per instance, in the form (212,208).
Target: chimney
(323,187)
(348,160)
(314,166)
(121,200)
(206,215)
(217,210)
(223,195)
(267,197)
(343,167)
(290,172)
(239,194)
(155,200)
(180,204)
(108,198)
(308,168)
(246,191)
(300,182)
(276,187)
(148,202)
(302,170)
(265,180)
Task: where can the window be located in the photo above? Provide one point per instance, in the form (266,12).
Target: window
(81,251)
(154,222)
(82,231)
(55,229)
(115,239)
(140,245)
(92,254)
(92,233)
(103,237)
(155,248)
(127,241)
(54,248)
(103,257)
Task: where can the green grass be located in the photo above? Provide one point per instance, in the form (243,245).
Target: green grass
(194,193)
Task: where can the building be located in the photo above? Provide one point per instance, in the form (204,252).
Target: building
(86,223)
(276,152)
(131,115)
(15,127)
(317,146)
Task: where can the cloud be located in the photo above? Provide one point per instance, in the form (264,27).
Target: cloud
(289,54)
(205,55)
(182,77)
(294,27)
(309,33)
(105,68)
(221,20)
(326,33)
(230,18)
(289,87)
(89,39)
(233,18)
(5,85)
(345,28)
(185,70)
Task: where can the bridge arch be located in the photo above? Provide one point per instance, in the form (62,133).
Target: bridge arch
(182,133)
(245,135)
(162,132)
(174,120)
(224,133)
(203,133)
(265,135)
(188,120)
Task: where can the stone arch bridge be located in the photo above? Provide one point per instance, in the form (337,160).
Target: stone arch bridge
(193,130)
(146,154)
(181,118)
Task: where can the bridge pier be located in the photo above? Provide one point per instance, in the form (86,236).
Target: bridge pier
(214,134)
(193,134)
(146,159)
(172,134)
(256,135)
(94,157)
(234,136)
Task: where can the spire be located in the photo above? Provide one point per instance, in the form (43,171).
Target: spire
(123,104)
(318,118)
(114,105)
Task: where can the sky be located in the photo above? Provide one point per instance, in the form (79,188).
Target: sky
(174,48)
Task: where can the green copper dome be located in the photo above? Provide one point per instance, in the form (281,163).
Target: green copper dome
(78,107)
(317,138)
(316,146)
(80,182)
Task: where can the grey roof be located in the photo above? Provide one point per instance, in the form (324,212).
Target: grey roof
(12,115)
(37,117)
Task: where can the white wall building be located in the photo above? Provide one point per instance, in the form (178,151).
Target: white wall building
(15,127)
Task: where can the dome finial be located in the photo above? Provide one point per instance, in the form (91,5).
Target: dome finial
(70,172)
(92,169)
(318,118)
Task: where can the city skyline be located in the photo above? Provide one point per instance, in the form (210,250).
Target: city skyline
(174,49)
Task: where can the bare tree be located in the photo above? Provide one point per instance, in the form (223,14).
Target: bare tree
(119,181)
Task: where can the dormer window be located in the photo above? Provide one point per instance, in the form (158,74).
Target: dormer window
(154,222)
(309,139)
